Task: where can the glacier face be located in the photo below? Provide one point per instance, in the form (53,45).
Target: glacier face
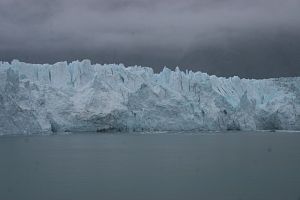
(80,96)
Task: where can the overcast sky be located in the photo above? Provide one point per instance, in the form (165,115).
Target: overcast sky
(257,38)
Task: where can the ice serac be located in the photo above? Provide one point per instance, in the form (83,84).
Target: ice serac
(80,96)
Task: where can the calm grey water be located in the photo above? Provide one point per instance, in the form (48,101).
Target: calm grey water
(151,166)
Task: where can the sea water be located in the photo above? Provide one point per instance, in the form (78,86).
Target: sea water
(142,166)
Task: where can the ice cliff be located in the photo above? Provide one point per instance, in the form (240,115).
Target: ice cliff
(80,96)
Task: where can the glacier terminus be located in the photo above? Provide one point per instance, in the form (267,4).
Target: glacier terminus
(80,96)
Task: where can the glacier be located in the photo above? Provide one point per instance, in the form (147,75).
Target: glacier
(80,96)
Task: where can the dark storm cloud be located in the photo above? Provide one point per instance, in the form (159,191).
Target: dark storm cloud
(258,38)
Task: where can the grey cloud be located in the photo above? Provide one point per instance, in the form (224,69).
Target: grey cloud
(27,12)
(224,37)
